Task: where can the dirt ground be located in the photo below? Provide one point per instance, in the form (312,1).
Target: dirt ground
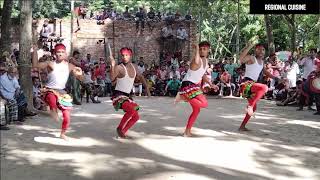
(284,144)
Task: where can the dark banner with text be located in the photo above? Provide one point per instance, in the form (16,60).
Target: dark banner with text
(284,6)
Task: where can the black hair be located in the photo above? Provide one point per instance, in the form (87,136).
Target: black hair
(204,43)
(75,53)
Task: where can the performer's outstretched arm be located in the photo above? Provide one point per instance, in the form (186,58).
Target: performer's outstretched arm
(114,70)
(244,56)
(35,60)
(196,59)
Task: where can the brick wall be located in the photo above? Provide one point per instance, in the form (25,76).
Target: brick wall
(119,34)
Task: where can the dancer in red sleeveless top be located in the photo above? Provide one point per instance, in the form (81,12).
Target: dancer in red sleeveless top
(190,90)
(54,93)
(124,74)
(250,89)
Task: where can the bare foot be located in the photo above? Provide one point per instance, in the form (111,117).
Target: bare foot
(244,129)
(249,110)
(64,137)
(187,133)
(120,133)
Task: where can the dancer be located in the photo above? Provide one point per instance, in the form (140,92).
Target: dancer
(53,93)
(124,74)
(190,90)
(250,89)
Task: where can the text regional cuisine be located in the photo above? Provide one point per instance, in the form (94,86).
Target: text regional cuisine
(285,7)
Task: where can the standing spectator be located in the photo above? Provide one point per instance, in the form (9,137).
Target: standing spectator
(140,18)
(82,11)
(108,82)
(308,63)
(173,86)
(167,32)
(291,70)
(73,83)
(230,67)
(151,18)
(87,84)
(127,14)
(45,31)
(182,36)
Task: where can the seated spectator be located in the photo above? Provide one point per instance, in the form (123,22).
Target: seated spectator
(174,72)
(173,86)
(3,121)
(7,60)
(188,17)
(141,67)
(150,82)
(162,73)
(205,86)
(137,87)
(140,18)
(38,103)
(184,70)
(16,101)
(177,16)
(225,82)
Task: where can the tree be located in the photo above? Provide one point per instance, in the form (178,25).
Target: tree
(270,38)
(24,48)
(5,41)
(292,26)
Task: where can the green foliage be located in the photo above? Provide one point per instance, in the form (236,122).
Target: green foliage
(217,20)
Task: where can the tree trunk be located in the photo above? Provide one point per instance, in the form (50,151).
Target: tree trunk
(5,41)
(270,38)
(24,48)
(292,27)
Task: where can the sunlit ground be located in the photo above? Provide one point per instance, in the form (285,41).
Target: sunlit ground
(284,144)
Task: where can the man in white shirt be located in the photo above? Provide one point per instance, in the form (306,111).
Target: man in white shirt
(291,70)
(46,30)
(167,32)
(174,72)
(308,64)
(182,36)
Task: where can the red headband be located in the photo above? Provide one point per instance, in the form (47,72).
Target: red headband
(259,46)
(59,47)
(204,45)
(126,51)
